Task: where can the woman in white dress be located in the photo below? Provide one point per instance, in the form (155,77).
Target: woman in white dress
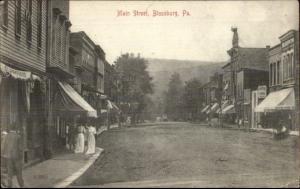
(79,146)
(91,142)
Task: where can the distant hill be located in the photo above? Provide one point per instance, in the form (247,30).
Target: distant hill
(162,69)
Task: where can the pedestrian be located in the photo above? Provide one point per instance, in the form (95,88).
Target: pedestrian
(13,154)
(91,142)
(79,145)
(71,137)
(3,163)
(86,128)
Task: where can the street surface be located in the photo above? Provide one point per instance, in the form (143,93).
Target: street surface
(191,155)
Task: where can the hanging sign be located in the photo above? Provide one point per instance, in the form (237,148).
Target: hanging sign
(262,91)
(17,74)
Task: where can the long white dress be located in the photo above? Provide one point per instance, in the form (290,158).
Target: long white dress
(79,146)
(91,143)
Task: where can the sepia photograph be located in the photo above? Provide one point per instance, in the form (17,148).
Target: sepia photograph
(149,94)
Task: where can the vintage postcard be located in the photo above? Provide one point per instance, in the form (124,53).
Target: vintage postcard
(151,94)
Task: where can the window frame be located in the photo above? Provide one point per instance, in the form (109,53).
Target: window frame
(278,72)
(5,15)
(18,18)
(29,21)
(39,8)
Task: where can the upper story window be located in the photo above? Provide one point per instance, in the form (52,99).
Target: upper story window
(18,17)
(28,16)
(288,66)
(4,13)
(62,41)
(278,71)
(275,73)
(54,17)
(39,23)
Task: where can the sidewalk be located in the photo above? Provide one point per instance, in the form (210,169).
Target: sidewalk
(59,171)
(294,133)
(268,130)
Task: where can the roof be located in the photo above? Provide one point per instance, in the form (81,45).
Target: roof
(253,58)
(290,32)
(84,37)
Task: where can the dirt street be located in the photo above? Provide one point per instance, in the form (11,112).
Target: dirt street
(191,155)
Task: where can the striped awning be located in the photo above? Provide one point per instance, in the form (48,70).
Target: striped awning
(204,109)
(213,109)
(229,109)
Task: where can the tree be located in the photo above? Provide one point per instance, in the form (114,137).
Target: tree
(173,97)
(192,98)
(134,83)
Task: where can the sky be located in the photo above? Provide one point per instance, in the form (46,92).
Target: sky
(203,35)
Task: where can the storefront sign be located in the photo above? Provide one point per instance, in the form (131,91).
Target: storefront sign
(261,91)
(17,74)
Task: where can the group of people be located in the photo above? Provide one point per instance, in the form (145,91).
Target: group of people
(82,139)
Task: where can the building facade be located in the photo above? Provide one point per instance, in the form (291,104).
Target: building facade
(212,92)
(23,72)
(249,69)
(281,106)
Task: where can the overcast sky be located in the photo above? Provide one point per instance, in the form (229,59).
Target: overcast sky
(204,35)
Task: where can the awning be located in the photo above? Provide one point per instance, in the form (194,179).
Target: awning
(229,109)
(224,104)
(112,106)
(279,100)
(213,109)
(204,109)
(73,102)
(226,86)
(16,74)
(7,71)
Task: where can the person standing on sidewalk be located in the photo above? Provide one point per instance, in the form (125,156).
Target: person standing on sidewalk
(91,142)
(3,163)
(79,146)
(13,154)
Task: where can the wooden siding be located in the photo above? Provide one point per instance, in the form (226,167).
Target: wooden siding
(18,50)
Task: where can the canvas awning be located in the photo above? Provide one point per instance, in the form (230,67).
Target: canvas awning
(213,109)
(7,71)
(229,109)
(279,100)
(73,102)
(204,109)
(226,86)
(112,106)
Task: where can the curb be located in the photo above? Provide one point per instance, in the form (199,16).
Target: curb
(69,180)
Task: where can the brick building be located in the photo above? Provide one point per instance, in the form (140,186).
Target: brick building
(282,103)
(249,69)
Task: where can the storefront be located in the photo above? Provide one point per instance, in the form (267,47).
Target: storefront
(69,110)
(22,107)
(279,107)
(228,113)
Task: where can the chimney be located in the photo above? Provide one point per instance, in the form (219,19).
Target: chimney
(268,46)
